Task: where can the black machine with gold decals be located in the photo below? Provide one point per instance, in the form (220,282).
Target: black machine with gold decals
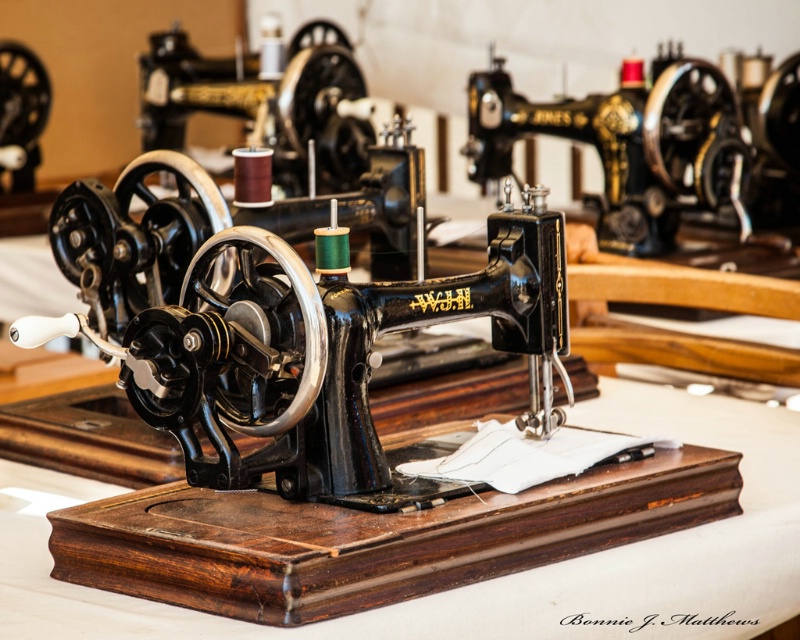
(270,353)
(311,89)
(770,102)
(25,102)
(674,148)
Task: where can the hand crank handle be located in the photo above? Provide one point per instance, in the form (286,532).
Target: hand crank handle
(360,109)
(34,331)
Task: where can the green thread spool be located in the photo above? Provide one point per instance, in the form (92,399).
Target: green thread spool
(333,250)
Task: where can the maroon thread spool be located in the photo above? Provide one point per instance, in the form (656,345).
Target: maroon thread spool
(252,177)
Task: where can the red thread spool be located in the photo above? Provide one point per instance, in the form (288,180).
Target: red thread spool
(252,177)
(632,73)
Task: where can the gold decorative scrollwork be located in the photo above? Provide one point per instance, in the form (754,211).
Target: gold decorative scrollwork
(614,122)
(243,97)
(443,301)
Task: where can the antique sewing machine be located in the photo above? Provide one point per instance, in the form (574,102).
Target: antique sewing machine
(311,89)
(671,149)
(126,260)
(273,356)
(262,356)
(770,102)
(25,101)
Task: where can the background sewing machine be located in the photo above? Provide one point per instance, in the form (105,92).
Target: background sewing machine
(311,89)
(676,147)
(770,102)
(25,101)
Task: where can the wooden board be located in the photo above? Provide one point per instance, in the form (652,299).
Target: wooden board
(25,214)
(32,373)
(94,433)
(255,557)
(639,286)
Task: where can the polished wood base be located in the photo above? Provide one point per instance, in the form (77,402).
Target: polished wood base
(254,557)
(25,214)
(34,373)
(95,433)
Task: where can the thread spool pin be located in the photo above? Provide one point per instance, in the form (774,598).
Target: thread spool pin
(526,198)
(507,190)
(385,134)
(333,246)
(540,193)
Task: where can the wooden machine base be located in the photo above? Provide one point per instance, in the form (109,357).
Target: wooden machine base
(24,214)
(95,433)
(254,557)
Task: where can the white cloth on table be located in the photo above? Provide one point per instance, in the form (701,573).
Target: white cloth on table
(502,456)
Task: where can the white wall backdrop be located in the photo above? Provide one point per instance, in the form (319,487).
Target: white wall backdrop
(420,52)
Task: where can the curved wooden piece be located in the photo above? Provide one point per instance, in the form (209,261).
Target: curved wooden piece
(635,344)
(687,287)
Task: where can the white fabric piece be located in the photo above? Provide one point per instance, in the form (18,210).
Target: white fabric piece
(501,456)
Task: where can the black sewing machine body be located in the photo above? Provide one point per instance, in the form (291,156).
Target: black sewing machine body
(332,452)
(25,102)
(285,110)
(650,143)
(770,102)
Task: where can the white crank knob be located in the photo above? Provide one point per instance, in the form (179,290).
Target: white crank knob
(34,331)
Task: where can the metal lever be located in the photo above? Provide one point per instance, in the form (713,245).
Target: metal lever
(34,331)
(736,188)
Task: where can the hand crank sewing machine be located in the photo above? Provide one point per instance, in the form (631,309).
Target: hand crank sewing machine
(264,356)
(770,102)
(127,261)
(319,95)
(25,99)
(674,148)
(271,355)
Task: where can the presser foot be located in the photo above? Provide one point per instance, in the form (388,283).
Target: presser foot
(535,426)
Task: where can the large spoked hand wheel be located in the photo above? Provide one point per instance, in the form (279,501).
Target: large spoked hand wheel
(25,95)
(779,111)
(689,99)
(169,206)
(129,249)
(315,80)
(317,33)
(275,300)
